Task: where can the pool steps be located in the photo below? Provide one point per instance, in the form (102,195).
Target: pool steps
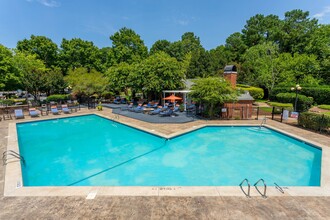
(13,154)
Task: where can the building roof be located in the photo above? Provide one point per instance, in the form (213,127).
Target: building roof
(245,96)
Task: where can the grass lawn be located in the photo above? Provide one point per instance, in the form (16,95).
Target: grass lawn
(282,105)
(326,107)
(266,109)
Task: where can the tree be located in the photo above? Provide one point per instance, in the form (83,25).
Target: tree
(236,46)
(212,91)
(128,47)
(54,83)
(199,64)
(260,66)
(190,42)
(297,29)
(319,45)
(158,72)
(86,82)
(119,77)
(219,57)
(9,78)
(44,49)
(160,45)
(77,53)
(298,69)
(32,73)
(260,29)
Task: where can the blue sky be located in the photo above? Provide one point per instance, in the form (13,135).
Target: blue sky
(95,20)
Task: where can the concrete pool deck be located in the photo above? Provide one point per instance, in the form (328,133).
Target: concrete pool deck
(196,200)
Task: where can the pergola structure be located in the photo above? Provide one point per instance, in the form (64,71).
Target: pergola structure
(174,92)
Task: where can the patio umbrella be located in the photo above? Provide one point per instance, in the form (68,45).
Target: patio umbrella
(172,98)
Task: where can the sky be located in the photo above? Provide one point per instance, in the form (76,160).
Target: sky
(95,20)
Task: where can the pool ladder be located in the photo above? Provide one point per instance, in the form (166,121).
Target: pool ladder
(13,154)
(256,186)
(114,118)
(263,122)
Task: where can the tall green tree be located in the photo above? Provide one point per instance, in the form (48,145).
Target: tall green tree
(235,46)
(212,92)
(128,46)
(32,73)
(86,82)
(76,53)
(199,65)
(260,29)
(319,45)
(296,30)
(54,82)
(298,69)
(160,45)
(219,58)
(159,72)
(119,77)
(9,78)
(44,49)
(260,66)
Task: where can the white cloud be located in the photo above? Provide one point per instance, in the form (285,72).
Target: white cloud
(325,12)
(103,29)
(184,21)
(47,3)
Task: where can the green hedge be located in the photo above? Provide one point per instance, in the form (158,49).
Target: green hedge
(255,92)
(320,94)
(13,101)
(314,121)
(57,98)
(303,103)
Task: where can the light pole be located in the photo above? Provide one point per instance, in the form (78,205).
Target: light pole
(297,88)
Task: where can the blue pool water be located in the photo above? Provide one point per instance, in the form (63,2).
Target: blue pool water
(94,151)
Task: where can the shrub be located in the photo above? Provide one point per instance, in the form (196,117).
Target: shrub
(57,98)
(255,92)
(314,121)
(303,103)
(7,102)
(320,94)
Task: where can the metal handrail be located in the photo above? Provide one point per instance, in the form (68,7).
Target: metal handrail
(11,153)
(263,122)
(265,187)
(249,186)
(279,188)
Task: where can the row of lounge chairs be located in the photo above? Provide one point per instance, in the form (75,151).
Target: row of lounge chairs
(33,112)
(161,111)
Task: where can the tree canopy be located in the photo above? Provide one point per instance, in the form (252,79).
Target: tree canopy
(269,51)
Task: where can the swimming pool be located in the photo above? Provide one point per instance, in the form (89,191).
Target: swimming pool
(94,151)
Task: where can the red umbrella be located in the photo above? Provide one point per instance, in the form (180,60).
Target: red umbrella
(172,98)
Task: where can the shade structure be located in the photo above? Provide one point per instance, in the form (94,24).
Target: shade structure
(172,98)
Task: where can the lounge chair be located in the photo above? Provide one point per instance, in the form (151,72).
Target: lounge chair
(33,112)
(176,108)
(54,110)
(127,108)
(18,113)
(156,111)
(167,113)
(65,109)
(138,109)
(123,101)
(117,100)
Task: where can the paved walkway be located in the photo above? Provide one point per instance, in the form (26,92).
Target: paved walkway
(286,207)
